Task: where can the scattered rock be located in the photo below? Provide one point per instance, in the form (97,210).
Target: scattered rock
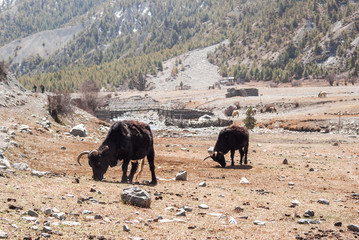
(181,212)
(3,234)
(45,235)
(181,176)
(71,223)
(4,129)
(4,163)
(203,206)
(308,221)
(169,209)
(47,229)
(308,213)
(48,211)
(60,216)
(30,219)
(244,181)
(353,227)
(232,221)
(238,209)
(38,173)
(285,161)
(295,203)
(323,201)
(187,209)
(126,228)
(79,130)
(32,213)
(260,223)
(136,196)
(98,216)
(338,224)
(202,184)
(85,212)
(21,166)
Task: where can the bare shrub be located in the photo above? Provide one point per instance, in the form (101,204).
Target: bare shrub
(59,104)
(141,83)
(330,78)
(3,72)
(353,80)
(273,85)
(297,83)
(89,96)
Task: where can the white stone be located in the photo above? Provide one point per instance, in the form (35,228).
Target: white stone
(203,206)
(232,220)
(244,181)
(260,223)
(71,223)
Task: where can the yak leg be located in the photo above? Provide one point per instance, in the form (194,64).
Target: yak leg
(124,170)
(151,162)
(245,153)
(232,157)
(133,170)
(242,153)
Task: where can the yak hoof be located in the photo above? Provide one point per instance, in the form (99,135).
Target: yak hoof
(153,183)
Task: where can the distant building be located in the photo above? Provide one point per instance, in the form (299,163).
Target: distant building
(227,81)
(243,92)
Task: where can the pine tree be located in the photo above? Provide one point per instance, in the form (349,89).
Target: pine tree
(250,121)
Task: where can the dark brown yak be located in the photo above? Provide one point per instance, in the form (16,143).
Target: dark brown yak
(127,141)
(230,139)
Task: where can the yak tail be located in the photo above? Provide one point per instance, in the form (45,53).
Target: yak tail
(142,163)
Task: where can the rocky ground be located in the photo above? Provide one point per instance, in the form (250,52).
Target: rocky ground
(299,184)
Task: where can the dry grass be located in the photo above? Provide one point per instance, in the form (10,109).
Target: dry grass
(266,198)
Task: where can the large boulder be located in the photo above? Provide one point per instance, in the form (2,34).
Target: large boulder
(4,163)
(136,196)
(79,130)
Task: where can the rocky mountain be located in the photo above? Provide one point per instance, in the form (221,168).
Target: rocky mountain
(115,41)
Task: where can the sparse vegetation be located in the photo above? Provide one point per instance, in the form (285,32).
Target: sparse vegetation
(89,96)
(59,104)
(250,121)
(330,78)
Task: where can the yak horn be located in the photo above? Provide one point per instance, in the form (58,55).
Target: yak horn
(81,154)
(206,158)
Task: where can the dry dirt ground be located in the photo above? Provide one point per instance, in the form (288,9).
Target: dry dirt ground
(320,166)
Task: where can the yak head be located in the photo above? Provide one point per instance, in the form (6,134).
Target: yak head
(217,157)
(98,161)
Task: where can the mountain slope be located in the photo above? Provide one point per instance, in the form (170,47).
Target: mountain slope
(276,40)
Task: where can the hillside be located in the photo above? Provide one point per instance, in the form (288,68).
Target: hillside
(113,42)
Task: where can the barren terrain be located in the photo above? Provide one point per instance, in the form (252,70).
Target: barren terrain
(320,166)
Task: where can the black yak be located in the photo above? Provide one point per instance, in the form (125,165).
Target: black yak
(230,139)
(126,140)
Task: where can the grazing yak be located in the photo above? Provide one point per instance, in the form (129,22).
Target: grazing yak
(126,140)
(230,139)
